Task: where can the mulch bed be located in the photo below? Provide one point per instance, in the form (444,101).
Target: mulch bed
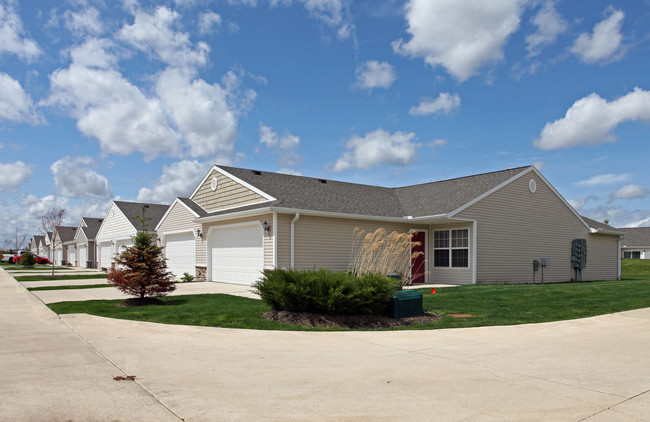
(141,301)
(363,322)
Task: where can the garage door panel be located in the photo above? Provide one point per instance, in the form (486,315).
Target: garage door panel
(83,257)
(237,254)
(105,256)
(180,254)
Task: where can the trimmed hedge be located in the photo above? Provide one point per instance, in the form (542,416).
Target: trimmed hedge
(325,292)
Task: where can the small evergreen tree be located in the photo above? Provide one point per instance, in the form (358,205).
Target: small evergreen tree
(141,270)
(27,260)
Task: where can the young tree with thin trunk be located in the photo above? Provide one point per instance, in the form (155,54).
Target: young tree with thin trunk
(51,220)
(141,270)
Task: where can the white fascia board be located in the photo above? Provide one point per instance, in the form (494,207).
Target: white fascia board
(606,232)
(236,179)
(342,215)
(491,191)
(234,214)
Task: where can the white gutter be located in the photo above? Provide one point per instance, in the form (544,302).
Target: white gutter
(619,259)
(293,243)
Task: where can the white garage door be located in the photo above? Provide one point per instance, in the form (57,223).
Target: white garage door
(72,255)
(105,255)
(83,256)
(237,254)
(179,251)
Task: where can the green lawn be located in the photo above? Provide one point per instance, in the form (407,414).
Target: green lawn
(81,286)
(491,304)
(36,267)
(59,277)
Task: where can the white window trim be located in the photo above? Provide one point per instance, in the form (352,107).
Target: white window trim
(470,252)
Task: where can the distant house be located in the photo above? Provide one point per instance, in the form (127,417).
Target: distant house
(486,228)
(47,244)
(62,237)
(84,240)
(36,245)
(121,224)
(636,243)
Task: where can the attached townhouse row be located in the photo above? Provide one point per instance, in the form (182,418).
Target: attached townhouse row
(485,228)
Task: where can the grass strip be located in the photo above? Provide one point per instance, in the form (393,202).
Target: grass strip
(59,277)
(490,304)
(82,286)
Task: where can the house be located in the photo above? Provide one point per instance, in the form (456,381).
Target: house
(486,228)
(121,224)
(61,241)
(46,248)
(84,240)
(179,235)
(636,244)
(36,245)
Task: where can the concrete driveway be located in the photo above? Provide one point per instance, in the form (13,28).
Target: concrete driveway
(594,369)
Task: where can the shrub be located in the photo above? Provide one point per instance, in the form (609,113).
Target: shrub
(325,292)
(27,260)
(187,277)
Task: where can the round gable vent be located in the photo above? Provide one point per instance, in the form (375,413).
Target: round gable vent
(213,184)
(532,185)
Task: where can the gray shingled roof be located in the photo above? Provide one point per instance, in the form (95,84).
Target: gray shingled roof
(93,225)
(39,240)
(635,236)
(306,193)
(193,206)
(66,233)
(597,224)
(133,211)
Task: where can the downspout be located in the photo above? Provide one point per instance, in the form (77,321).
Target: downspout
(474,248)
(275,240)
(619,258)
(293,243)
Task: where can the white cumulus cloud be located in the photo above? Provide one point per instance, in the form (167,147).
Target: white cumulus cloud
(200,111)
(445,103)
(629,192)
(461,36)
(177,180)
(84,22)
(155,34)
(11,35)
(207,21)
(377,147)
(14,175)
(15,104)
(604,179)
(374,74)
(283,146)
(591,120)
(604,42)
(75,177)
(549,25)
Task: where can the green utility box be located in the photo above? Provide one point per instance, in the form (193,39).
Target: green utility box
(406,303)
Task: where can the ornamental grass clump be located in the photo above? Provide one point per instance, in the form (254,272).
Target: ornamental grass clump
(384,253)
(325,292)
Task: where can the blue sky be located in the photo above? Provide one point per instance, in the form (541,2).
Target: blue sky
(136,100)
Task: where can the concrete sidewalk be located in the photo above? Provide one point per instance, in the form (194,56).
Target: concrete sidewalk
(110,293)
(593,369)
(49,373)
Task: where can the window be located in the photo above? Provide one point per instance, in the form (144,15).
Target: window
(451,247)
(632,254)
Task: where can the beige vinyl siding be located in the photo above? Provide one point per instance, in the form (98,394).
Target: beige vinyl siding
(327,242)
(229,194)
(516,226)
(450,275)
(602,258)
(283,233)
(114,224)
(268,239)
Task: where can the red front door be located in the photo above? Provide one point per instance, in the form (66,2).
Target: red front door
(418,257)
